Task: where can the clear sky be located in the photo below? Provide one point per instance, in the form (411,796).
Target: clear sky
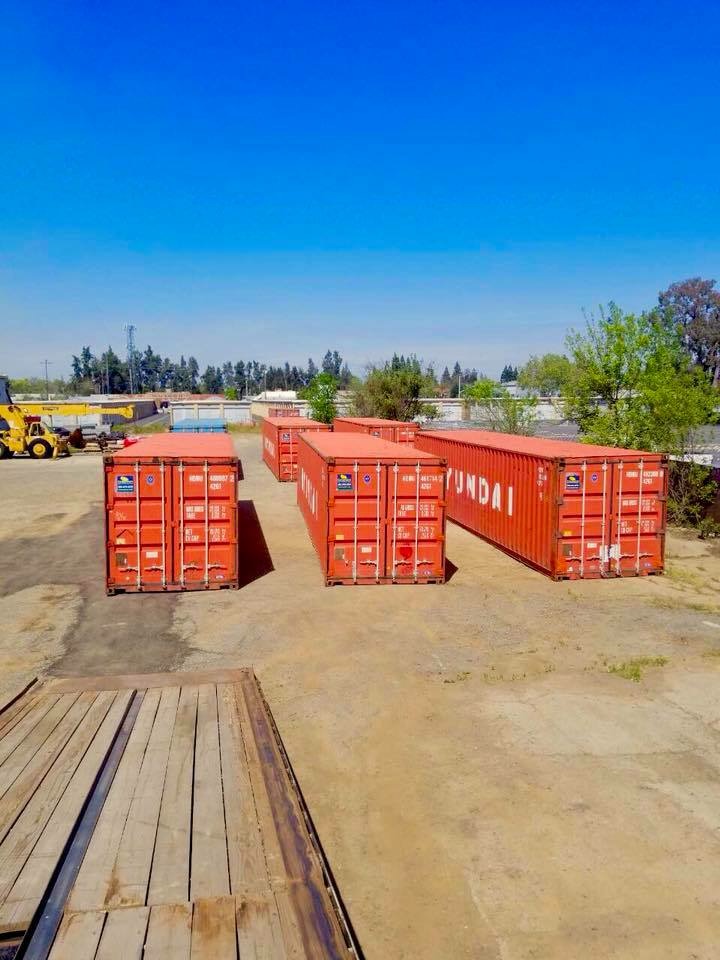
(270,179)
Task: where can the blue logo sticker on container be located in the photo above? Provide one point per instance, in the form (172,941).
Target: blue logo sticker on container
(594,478)
(150,479)
(284,438)
(344,481)
(125,483)
(367,478)
(572,481)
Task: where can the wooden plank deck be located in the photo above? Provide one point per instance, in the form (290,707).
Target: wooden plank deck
(202,848)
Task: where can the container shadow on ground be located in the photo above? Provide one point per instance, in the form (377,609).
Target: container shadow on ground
(254,560)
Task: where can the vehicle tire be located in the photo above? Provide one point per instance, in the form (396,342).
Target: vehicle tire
(39,449)
(5,451)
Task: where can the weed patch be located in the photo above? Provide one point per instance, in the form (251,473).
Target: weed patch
(632,669)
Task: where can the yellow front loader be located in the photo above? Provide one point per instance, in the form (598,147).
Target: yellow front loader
(24,432)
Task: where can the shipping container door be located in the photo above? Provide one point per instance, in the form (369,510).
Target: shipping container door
(356,529)
(139,524)
(638,521)
(584,519)
(205,541)
(416,521)
(287,449)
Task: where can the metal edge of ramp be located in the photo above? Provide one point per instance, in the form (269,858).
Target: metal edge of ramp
(330,883)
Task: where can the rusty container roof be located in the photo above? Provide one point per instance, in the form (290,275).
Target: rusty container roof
(180,446)
(363,446)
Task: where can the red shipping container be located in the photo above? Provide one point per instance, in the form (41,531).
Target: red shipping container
(284,411)
(397,431)
(171,514)
(571,510)
(375,510)
(280,443)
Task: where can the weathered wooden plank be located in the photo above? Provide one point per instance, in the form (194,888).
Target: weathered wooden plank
(16,912)
(18,705)
(209,866)
(170,873)
(258,929)
(144,681)
(123,936)
(95,879)
(20,732)
(271,843)
(20,694)
(23,774)
(213,929)
(246,858)
(169,931)
(131,873)
(78,936)
(24,833)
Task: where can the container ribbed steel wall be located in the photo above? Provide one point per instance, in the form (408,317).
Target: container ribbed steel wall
(571,510)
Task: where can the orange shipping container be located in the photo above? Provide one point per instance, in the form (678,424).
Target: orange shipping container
(280,443)
(397,431)
(571,510)
(171,514)
(375,510)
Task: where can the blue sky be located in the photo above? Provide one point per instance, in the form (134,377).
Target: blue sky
(271,179)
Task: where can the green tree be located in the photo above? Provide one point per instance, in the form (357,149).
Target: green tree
(499,410)
(320,394)
(694,305)
(547,376)
(482,389)
(634,385)
(394,391)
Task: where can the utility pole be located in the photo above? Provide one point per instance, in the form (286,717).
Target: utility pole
(47,363)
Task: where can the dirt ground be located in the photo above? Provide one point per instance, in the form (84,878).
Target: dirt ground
(483,783)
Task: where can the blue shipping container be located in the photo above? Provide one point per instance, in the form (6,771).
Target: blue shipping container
(199,426)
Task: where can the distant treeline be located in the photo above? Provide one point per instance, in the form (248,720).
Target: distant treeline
(149,371)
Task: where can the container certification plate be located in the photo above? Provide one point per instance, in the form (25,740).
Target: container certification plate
(572,481)
(344,481)
(125,483)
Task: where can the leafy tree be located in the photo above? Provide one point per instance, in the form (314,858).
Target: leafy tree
(509,374)
(212,380)
(394,390)
(633,384)
(320,394)
(694,305)
(692,491)
(547,376)
(345,377)
(482,389)
(149,369)
(193,371)
(500,410)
